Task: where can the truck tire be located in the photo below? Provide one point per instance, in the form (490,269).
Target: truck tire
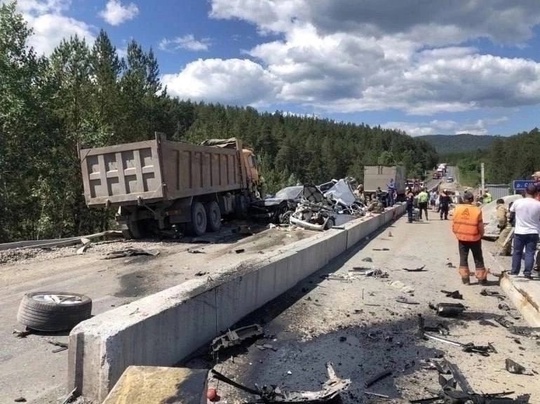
(197,226)
(213,216)
(53,311)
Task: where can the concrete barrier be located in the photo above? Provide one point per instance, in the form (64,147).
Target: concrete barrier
(165,328)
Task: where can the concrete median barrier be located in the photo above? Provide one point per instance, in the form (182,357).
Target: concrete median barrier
(165,328)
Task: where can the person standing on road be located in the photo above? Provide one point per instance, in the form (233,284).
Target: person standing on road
(526,214)
(423,198)
(468,226)
(409,195)
(444,204)
(391,189)
(432,199)
(501,213)
(487,198)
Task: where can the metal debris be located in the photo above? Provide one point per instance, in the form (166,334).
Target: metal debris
(381,249)
(454,295)
(514,367)
(419,269)
(456,389)
(201,273)
(367,259)
(239,251)
(236,337)
(62,346)
(448,309)
(195,251)
(403,299)
(131,252)
(22,334)
(273,394)
(379,376)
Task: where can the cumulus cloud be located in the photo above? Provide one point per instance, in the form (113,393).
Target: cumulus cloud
(187,42)
(115,13)
(350,56)
(50,24)
(479,127)
(231,81)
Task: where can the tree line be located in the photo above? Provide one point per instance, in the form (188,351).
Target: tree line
(85,94)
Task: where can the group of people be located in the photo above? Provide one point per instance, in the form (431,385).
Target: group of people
(523,215)
(424,199)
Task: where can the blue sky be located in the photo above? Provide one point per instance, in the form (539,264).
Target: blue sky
(440,67)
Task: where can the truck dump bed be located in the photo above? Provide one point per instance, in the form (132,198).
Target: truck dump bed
(158,170)
(379,176)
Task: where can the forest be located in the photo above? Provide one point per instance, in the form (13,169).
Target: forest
(85,94)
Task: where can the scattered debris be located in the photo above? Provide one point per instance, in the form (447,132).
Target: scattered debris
(240,250)
(403,299)
(264,347)
(514,367)
(195,251)
(86,244)
(451,378)
(273,394)
(450,265)
(454,295)
(440,328)
(367,259)
(22,334)
(381,249)
(236,337)
(62,346)
(487,292)
(379,376)
(504,307)
(70,396)
(377,273)
(130,252)
(20,400)
(369,393)
(419,269)
(201,273)
(448,309)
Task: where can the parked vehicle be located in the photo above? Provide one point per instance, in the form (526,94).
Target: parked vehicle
(379,176)
(158,184)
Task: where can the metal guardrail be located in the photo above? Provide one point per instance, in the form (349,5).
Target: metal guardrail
(57,242)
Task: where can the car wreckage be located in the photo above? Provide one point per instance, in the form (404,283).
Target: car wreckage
(308,206)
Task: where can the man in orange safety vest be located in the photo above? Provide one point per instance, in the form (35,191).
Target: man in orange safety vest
(468,226)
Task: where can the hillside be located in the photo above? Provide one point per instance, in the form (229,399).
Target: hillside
(446,144)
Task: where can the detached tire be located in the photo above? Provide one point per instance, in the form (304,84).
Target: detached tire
(53,311)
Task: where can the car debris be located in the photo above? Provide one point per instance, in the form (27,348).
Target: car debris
(377,377)
(62,346)
(440,328)
(20,400)
(515,368)
(264,347)
(236,337)
(450,265)
(130,252)
(456,389)
(332,388)
(239,251)
(381,249)
(196,251)
(419,269)
(22,334)
(454,295)
(448,309)
(367,259)
(404,300)
(370,393)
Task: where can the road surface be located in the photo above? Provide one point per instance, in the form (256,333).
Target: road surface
(28,368)
(356,322)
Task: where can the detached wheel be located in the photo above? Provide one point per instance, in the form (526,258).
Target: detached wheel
(213,216)
(53,311)
(197,227)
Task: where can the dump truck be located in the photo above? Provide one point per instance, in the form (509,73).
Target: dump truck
(160,185)
(379,176)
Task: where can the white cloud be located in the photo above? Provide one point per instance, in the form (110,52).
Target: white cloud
(479,127)
(232,81)
(350,56)
(187,42)
(50,25)
(116,13)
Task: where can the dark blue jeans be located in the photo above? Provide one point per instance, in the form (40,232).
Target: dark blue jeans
(527,242)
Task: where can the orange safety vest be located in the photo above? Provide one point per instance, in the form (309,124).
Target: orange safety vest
(467,222)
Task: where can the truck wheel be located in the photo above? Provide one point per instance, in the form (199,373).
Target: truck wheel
(197,227)
(213,216)
(53,311)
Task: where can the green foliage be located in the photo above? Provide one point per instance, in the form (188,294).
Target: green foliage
(448,144)
(84,94)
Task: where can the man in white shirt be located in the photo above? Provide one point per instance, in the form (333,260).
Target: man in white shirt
(526,214)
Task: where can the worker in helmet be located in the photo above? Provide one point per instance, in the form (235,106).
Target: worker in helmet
(468,226)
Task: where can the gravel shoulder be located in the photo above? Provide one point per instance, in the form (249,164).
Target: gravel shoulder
(355,322)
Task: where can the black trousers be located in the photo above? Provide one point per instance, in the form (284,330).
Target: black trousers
(423,208)
(476,248)
(444,211)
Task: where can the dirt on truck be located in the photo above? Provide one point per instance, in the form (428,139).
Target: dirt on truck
(160,185)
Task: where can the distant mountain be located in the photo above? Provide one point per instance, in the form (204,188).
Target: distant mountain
(445,144)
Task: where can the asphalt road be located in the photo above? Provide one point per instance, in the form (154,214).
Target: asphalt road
(28,367)
(357,323)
